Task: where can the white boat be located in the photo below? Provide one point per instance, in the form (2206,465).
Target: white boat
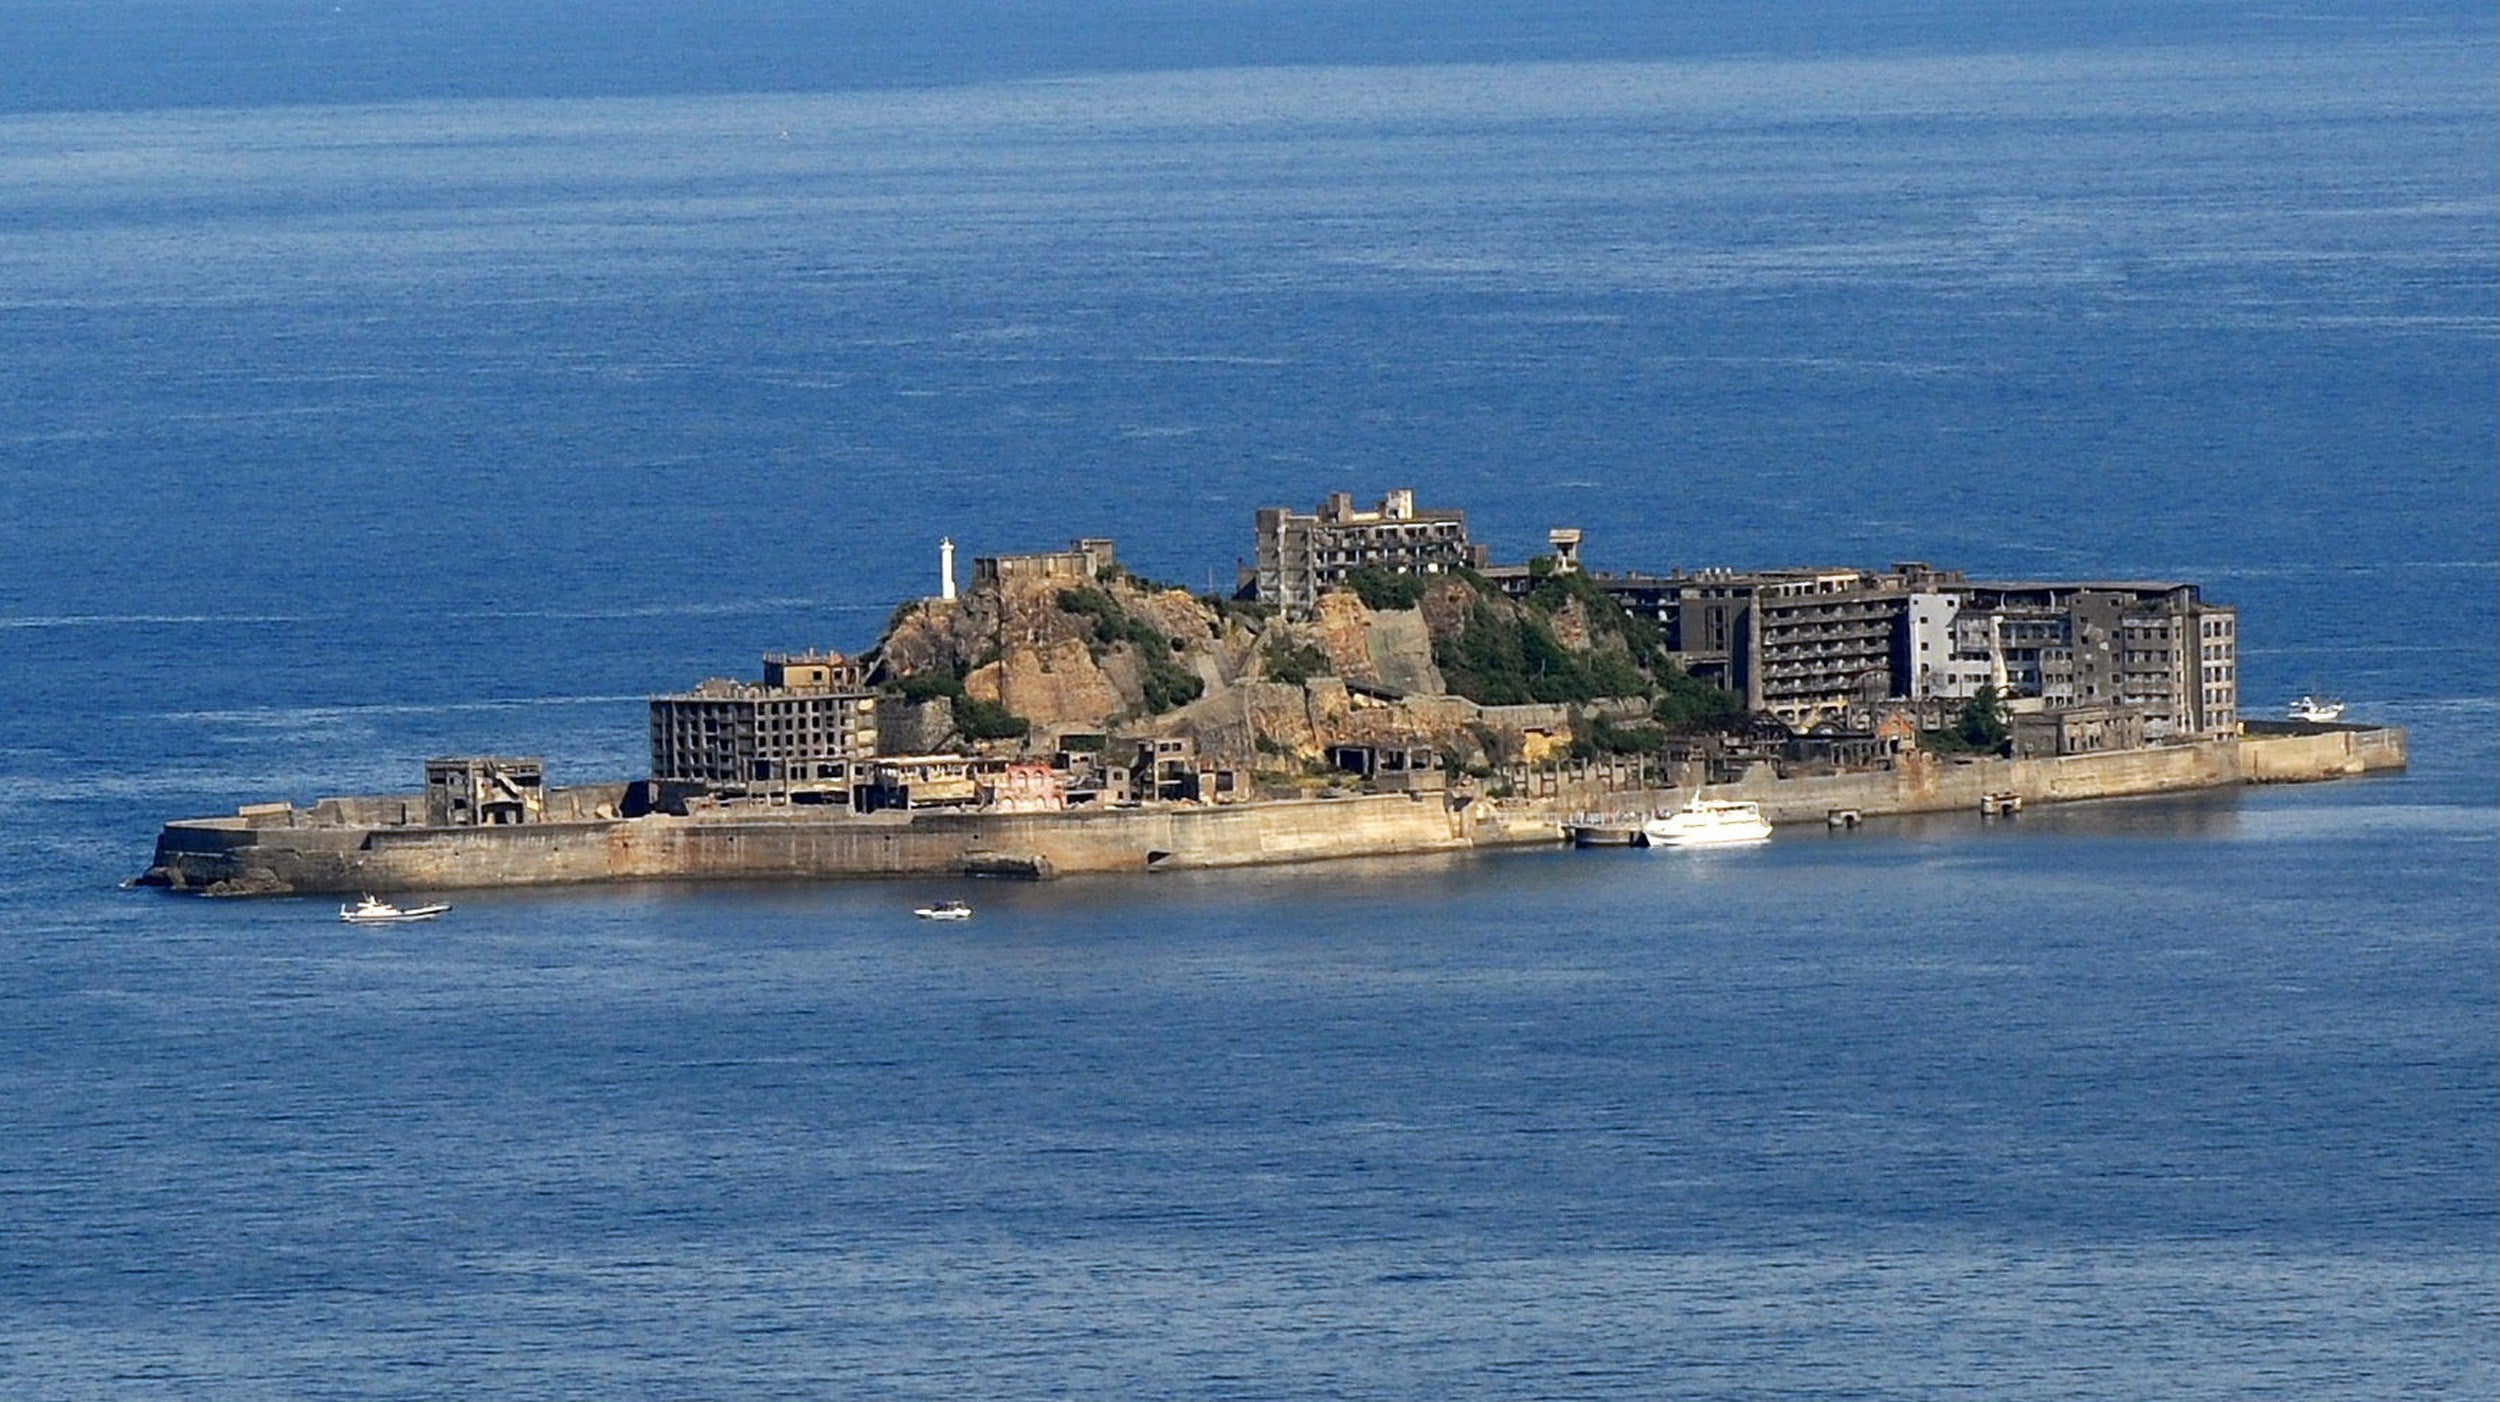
(369,911)
(945,910)
(1708,822)
(2317,710)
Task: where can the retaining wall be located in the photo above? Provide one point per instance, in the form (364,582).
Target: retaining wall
(268,848)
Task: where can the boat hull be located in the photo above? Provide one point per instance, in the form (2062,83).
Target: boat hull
(1661,835)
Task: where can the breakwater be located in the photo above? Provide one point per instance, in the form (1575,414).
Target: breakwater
(371,844)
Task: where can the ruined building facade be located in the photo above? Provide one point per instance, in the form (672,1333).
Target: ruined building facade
(2153,647)
(1826,647)
(800,735)
(1300,557)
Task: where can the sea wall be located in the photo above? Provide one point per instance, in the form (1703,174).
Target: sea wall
(2292,754)
(246,855)
(273,848)
(1925,783)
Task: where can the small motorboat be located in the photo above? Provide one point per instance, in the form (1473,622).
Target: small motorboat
(2318,710)
(944,910)
(370,911)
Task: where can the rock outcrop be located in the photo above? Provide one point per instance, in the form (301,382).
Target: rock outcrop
(1120,655)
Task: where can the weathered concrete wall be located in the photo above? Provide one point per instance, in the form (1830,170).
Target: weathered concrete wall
(1923,783)
(269,848)
(2305,755)
(201,854)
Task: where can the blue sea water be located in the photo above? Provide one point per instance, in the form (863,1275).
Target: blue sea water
(451,378)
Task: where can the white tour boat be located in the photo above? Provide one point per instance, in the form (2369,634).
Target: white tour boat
(377,912)
(1708,822)
(2318,710)
(945,910)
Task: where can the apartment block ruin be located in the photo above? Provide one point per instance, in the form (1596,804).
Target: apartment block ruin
(1302,556)
(2156,648)
(1826,648)
(800,735)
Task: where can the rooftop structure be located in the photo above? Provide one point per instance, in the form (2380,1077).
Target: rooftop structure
(1083,562)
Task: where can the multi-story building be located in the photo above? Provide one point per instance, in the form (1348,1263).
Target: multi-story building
(2151,646)
(1300,557)
(1823,646)
(1808,646)
(800,735)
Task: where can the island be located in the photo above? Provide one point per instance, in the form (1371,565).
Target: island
(1373,685)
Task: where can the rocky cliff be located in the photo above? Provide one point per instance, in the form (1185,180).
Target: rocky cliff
(1448,661)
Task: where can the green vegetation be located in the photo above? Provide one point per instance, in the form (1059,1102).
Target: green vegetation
(1504,658)
(1112,623)
(1168,685)
(974,719)
(1166,682)
(1238,609)
(1488,740)
(1682,705)
(925,686)
(1981,729)
(988,720)
(1386,589)
(1604,737)
(1294,663)
(1688,707)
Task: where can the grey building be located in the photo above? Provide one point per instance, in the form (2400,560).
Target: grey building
(2155,647)
(800,735)
(485,791)
(1817,647)
(1809,646)
(1302,556)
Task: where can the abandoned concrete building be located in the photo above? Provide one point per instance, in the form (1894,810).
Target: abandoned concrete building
(2153,647)
(1809,646)
(1822,648)
(1082,562)
(1302,556)
(909,782)
(1410,767)
(485,791)
(2076,730)
(797,736)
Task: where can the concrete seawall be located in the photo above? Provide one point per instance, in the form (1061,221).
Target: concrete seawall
(236,856)
(365,844)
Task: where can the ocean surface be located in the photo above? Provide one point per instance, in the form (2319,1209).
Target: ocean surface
(449,378)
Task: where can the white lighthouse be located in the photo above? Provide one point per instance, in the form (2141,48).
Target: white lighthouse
(946,569)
